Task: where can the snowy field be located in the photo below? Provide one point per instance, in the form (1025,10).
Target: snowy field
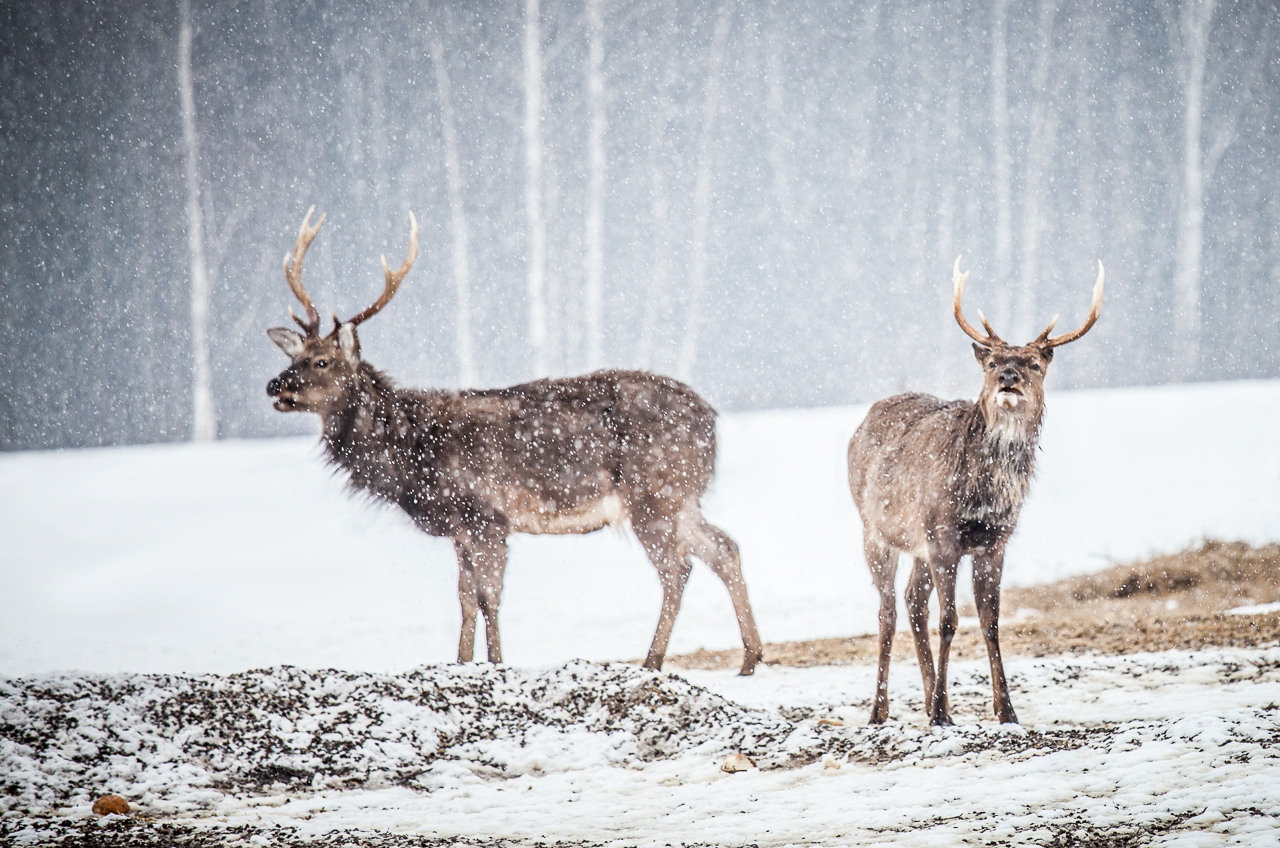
(143,584)
(237,555)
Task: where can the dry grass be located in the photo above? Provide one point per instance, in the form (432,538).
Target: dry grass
(1173,601)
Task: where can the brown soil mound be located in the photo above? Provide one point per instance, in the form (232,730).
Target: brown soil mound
(1173,601)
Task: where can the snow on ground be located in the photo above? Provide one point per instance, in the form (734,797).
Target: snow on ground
(1179,748)
(235,555)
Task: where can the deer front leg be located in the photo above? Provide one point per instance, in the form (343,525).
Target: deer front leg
(988,567)
(883,563)
(943,569)
(919,587)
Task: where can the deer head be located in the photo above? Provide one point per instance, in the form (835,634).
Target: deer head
(323,368)
(1013,375)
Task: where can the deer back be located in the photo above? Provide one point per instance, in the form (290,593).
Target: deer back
(567,455)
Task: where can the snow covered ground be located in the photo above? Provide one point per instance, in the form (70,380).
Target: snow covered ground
(236,555)
(1178,749)
(140,585)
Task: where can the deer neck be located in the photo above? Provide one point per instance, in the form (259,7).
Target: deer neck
(373,426)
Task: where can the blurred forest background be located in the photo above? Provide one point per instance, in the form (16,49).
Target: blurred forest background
(761,197)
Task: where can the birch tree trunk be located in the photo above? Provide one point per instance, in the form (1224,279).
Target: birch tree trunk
(204,424)
(1191,52)
(781,143)
(1040,145)
(536,268)
(952,164)
(458,230)
(659,203)
(702,197)
(1000,145)
(593,262)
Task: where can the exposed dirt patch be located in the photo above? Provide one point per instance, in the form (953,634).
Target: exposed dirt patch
(1173,601)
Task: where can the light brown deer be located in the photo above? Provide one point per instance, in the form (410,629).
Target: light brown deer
(941,479)
(551,456)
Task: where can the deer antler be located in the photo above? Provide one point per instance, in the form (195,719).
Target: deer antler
(393,279)
(1095,309)
(293,274)
(990,338)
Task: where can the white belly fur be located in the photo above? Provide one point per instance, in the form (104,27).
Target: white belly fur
(590,516)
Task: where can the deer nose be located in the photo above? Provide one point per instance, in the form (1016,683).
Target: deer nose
(1008,378)
(273,386)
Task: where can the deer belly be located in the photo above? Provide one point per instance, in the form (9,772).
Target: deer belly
(537,517)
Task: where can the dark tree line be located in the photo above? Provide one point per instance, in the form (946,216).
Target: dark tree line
(762,197)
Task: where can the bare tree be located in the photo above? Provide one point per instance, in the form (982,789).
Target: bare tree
(204,422)
(1000,142)
(593,262)
(952,40)
(458,230)
(1190,25)
(702,196)
(536,261)
(778,125)
(1040,144)
(1189,37)
(659,201)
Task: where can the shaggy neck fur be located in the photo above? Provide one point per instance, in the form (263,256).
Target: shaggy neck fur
(998,461)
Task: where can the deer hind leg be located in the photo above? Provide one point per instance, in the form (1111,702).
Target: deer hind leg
(987,569)
(469,601)
(482,563)
(919,587)
(883,563)
(714,547)
(655,527)
(944,569)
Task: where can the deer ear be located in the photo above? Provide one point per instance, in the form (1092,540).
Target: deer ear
(287,340)
(349,342)
(981,352)
(1047,353)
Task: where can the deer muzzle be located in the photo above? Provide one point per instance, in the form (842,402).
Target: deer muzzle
(285,401)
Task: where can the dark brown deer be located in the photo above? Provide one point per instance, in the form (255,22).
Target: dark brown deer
(551,456)
(941,479)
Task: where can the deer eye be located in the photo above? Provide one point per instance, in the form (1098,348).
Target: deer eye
(320,363)
(1035,366)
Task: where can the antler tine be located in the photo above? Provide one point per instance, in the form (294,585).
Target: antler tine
(959,279)
(1044,334)
(1095,310)
(293,274)
(986,325)
(393,278)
